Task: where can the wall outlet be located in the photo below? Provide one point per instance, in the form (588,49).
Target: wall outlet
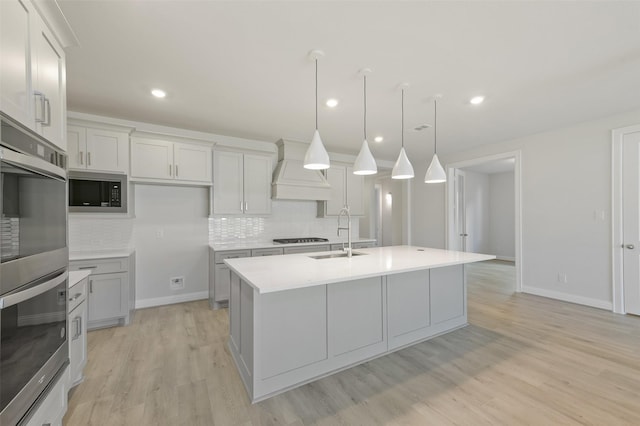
(176,283)
(160,233)
(562,277)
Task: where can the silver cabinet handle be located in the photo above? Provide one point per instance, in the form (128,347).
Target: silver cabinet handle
(241,206)
(77,322)
(47,122)
(91,286)
(87,267)
(88,158)
(75,297)
(630,246)
(170,170)
(246,207)
(81,159)
(40,95)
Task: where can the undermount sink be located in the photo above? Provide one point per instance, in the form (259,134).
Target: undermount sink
(334,255)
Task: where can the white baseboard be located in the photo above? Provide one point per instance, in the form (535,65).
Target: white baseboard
(169,300)
(566,297)
(506,258)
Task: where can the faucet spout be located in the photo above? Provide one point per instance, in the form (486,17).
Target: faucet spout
(345,211)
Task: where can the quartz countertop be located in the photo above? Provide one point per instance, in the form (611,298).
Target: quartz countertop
(76,276)
(248,245)
(99,254)
(287,272)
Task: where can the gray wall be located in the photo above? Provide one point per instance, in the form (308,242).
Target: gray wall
(502,216)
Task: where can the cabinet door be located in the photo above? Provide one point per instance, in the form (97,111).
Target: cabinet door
(77,147)
(151,158)
(192,162)
(227,183)
(48,76)
(222,282)
(336,178)
(108,296)
(257,184)
(78,342)
(355,186)
(107,151)
(15,66)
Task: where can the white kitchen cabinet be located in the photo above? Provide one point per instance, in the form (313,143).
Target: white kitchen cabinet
(346,189)
(173,162)
(97,149)
(78,331)
(219,278)
(15,84)
(111,292)
(242,183)
(307,249)
(33,83)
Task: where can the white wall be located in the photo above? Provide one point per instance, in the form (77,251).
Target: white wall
(392,211)
(171,240)
(502,216)
(566,184)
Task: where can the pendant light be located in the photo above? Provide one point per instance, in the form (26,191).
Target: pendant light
(365,163)
(403,168)
(316,157)
(435,172)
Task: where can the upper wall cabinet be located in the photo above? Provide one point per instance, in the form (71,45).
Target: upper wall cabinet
(97,149)
(33,83)
(346,189)
(242,183)
(172,162)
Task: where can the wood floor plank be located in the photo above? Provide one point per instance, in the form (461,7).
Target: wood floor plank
(523,359)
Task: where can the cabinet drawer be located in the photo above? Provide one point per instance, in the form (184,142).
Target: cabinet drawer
(306,249)
(367,244)
(267,252)
(101,266)
(222,255)
(77,294)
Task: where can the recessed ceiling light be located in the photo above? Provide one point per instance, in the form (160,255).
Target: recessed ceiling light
(158,93)
(477,100)
(378,139)
(332,103)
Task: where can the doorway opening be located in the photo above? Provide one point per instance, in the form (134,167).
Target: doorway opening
(484,209)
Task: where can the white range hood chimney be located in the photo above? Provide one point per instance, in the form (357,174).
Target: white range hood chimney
(291,181)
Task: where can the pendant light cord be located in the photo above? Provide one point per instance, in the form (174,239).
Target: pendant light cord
(435,126)
(365,107)
(402,118)
(316,93)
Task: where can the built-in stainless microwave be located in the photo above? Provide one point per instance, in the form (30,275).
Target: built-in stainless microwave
(97,192)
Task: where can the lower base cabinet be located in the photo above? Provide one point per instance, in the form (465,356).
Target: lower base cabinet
(77,332)
(111,293)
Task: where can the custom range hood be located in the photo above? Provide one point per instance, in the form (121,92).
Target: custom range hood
(291,181)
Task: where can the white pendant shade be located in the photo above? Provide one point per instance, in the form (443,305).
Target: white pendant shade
(317,157)
(365,163)
(403,168)
(435,172)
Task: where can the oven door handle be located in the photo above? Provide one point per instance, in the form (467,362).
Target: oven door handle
(34,290)
(33,164)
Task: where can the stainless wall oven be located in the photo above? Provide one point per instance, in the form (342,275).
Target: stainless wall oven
(33,271)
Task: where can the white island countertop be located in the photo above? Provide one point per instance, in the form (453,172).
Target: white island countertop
(292,271)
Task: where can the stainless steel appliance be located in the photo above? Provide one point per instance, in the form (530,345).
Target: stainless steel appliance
(97,192)
(33,271)
(300,240)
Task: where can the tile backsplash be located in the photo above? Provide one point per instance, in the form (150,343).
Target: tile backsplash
(96,234)
(288,219)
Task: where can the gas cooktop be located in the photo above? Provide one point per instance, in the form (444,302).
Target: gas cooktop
(300,240)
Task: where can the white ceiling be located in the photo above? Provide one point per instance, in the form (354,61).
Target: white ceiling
(241,69)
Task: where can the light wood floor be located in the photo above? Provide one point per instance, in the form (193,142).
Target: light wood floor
(522,360)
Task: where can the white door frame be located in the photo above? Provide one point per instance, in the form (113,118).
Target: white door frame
(449,202)
(617,236)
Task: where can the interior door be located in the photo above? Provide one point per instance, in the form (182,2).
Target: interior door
(460,214)
(631,222)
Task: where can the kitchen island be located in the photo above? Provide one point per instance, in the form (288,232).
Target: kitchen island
(298,317)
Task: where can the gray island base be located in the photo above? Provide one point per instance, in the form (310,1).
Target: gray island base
(294,319)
